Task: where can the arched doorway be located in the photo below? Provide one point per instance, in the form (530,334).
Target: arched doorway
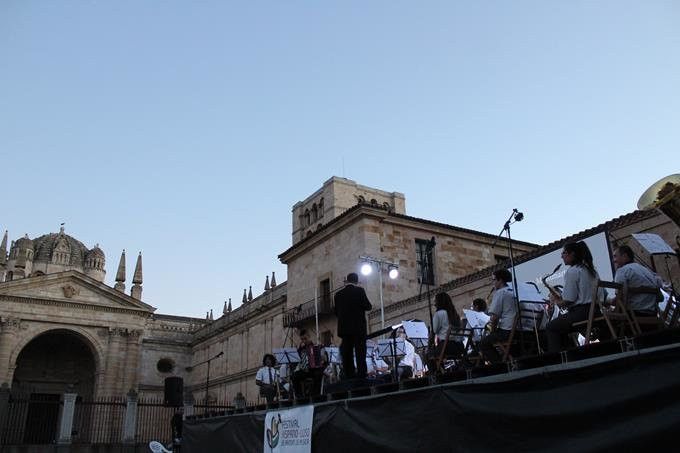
(51,364)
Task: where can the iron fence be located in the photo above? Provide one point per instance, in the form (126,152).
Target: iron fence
(98,421)
(31,419)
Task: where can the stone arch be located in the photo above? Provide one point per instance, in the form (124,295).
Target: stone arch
(86,337)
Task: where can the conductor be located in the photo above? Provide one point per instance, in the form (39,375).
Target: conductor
(351,304)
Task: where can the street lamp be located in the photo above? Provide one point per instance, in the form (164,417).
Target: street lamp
(393,273)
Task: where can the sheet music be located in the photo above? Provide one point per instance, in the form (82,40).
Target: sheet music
(415,329)
(476,319)
(653,244)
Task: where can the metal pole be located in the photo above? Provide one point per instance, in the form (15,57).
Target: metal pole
(382,306)
(207,380)
(316,311)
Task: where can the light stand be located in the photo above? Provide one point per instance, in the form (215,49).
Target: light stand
(379,263)
(207,376)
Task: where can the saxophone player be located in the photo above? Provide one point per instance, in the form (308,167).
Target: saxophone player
(502,312)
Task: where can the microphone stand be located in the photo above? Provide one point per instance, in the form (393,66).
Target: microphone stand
(425,280)
(207,376)
(515,216)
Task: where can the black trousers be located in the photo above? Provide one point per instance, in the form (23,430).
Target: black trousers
(353,345)
(557,329)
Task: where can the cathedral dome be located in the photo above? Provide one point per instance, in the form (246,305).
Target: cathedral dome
(96,252)
(47,244)
(23,243)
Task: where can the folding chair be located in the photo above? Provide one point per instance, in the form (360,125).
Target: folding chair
(505,346)
(619,315)
(671,314)
(457,335)
(654,321)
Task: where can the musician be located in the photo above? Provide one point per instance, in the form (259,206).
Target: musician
(502,313)
(634,275)
(308,367)
(445,319)
(267,378)
(577,294)
(479,305)
(351,305)
(407,364)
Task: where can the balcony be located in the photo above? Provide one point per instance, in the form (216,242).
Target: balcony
(304,312)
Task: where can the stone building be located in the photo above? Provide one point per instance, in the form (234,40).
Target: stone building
(56,311)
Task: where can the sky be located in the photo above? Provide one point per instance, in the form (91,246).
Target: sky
(187,130)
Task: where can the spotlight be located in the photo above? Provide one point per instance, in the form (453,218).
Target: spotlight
(393,272)
(366,269)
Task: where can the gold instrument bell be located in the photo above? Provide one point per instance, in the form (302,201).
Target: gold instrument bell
(663,195)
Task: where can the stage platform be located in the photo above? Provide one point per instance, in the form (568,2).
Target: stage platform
(616,395)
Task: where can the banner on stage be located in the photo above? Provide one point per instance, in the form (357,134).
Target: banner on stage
(289,431)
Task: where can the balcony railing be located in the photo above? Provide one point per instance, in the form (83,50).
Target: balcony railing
(297,315)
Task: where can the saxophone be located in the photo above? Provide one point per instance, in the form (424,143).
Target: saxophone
(556,296)
(551,289)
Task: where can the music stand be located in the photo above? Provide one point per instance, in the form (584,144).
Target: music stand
(286,355)
(417,333)
(392,347)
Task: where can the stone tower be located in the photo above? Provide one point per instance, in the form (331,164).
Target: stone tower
(335,197)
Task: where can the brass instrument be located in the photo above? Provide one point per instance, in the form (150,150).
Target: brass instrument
(552,289)
(663,195)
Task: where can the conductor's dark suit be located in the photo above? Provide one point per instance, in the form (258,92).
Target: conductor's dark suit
(351,305)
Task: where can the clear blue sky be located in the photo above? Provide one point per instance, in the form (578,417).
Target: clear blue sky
(187,130)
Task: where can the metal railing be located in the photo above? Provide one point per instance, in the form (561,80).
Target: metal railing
(99,421)
(306,311)
(30,420)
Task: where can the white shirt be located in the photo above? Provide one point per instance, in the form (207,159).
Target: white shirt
(410,358)
(579,286)
(263,375)
(504,306)
(440,324)
(636,275)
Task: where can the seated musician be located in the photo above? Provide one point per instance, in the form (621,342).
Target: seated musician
(634,275)
(310,366)
(502,312)
(479,305)
(375,366)
(445,318)
(266,378)
(407,364)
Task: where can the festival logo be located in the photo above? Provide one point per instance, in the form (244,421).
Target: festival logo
(273,432)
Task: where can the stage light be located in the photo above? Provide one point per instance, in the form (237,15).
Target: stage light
(393,272)
(366,269)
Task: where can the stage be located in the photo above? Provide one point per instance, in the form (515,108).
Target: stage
(621,394)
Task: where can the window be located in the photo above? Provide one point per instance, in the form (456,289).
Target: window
(325,294)
(321,208)
(165,365)
(424,261)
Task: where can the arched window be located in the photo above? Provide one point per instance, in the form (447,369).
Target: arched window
(386,206)
(307,218)
(374,202)
(315,213)
(9,276)
(309,233)
(318,227)
(321,208)
(361,199)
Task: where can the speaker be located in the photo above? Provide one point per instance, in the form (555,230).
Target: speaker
(174,391)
